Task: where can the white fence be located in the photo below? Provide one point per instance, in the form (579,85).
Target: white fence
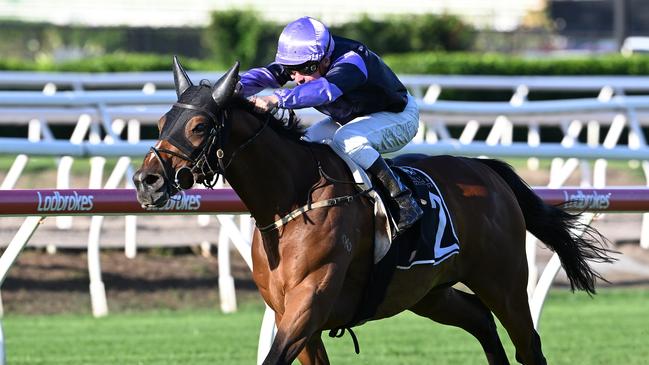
(419,84)
(101,117)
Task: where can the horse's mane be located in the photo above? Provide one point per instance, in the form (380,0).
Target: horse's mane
(294,132)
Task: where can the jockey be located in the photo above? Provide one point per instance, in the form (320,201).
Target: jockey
(369,109)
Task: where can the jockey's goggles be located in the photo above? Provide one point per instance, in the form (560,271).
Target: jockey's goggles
(306,69)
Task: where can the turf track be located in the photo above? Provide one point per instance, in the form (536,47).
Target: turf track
(612,328)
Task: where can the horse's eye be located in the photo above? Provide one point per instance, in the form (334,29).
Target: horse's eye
(200,128)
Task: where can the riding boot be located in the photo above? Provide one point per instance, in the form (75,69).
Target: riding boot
(409,210)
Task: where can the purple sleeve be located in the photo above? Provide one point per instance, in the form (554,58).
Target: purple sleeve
(313,93)
(346,73)
(256,80)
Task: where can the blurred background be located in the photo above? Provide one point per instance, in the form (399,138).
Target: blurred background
(536,77)
(59,34)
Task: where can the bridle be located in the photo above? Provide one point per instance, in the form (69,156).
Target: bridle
(216,139)
(201,164)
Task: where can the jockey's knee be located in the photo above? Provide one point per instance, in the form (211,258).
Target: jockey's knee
(348,141)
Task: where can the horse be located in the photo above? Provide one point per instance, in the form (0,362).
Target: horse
(311,263)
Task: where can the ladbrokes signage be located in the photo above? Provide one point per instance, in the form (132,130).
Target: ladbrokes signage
(592,200)
(71,201)
(182,202)
(68,202)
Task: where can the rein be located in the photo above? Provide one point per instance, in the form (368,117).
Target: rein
(220,154)
(216,140)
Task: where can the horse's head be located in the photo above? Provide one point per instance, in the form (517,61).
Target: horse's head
(190,137)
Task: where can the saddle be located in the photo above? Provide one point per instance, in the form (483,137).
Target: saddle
(430,241)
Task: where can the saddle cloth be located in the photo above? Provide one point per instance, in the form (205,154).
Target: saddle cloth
(432,239)
(429,241)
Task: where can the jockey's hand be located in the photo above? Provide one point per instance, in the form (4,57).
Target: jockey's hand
(264,104)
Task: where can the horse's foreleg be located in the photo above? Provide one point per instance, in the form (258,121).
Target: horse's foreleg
(306,310)
(456,308)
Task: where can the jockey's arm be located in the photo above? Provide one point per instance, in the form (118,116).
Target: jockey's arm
(260,78)
(341,77)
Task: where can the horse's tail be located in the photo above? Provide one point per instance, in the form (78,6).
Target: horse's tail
(556,228)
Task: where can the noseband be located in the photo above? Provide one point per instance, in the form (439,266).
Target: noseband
(200,164)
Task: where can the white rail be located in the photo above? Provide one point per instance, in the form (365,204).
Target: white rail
(164,80)
(116,201)
(111,112)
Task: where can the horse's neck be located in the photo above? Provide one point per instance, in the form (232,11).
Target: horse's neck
(272,175)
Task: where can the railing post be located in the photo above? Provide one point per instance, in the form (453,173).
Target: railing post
(227,293)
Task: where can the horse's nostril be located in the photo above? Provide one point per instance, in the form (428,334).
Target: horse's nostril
(151,179)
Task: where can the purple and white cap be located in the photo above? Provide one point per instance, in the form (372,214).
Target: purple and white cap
(303,40)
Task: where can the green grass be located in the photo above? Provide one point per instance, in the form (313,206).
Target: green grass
(612,328)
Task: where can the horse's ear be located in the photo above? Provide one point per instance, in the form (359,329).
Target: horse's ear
(181,80)
(226,86)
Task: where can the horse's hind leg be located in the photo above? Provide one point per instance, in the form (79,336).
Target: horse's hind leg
(456,308)
(507,299)
(314,352)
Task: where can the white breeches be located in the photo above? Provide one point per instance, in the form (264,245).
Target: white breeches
(365,138)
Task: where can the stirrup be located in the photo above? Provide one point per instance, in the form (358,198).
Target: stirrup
(415,214)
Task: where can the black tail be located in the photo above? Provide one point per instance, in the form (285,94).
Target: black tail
(556,228)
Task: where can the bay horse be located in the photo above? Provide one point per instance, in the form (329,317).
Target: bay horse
(312,269)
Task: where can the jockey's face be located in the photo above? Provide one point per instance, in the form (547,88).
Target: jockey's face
(301,79)
(304,77)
